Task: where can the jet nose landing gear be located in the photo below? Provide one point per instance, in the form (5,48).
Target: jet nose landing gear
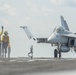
(56,52)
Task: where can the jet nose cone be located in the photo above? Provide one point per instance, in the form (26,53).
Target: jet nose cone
(54,38)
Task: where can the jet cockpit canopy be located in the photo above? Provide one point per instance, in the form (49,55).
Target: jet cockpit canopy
(59,29)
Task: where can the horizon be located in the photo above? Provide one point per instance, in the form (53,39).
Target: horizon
(41,17)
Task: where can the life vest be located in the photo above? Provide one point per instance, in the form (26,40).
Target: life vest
(5,38)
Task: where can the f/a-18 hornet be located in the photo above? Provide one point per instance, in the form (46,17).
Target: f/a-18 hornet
(61,37)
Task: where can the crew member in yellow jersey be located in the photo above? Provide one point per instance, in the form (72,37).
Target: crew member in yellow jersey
(0,40)
(5,43)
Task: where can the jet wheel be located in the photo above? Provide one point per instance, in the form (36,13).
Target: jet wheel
(55,53)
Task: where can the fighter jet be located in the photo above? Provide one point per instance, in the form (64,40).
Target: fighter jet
(62,38)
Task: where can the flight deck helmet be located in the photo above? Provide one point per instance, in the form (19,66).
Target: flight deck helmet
(6,33)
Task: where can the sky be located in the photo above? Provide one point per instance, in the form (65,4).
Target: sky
(41,17)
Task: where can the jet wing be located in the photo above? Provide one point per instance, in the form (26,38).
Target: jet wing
(69,35)
(64,23)
(30,36)
(28,33)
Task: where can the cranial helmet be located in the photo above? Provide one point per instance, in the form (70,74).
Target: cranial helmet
(5,32)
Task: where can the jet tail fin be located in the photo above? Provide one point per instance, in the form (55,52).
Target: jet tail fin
(64,23)
(28,33)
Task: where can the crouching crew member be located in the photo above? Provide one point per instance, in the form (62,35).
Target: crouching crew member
(30,54)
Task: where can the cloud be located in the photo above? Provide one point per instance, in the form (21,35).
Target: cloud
(63,2)
(35,10)
(7,9)
(46,11)
(4,21)
(56,1)
(27,18)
